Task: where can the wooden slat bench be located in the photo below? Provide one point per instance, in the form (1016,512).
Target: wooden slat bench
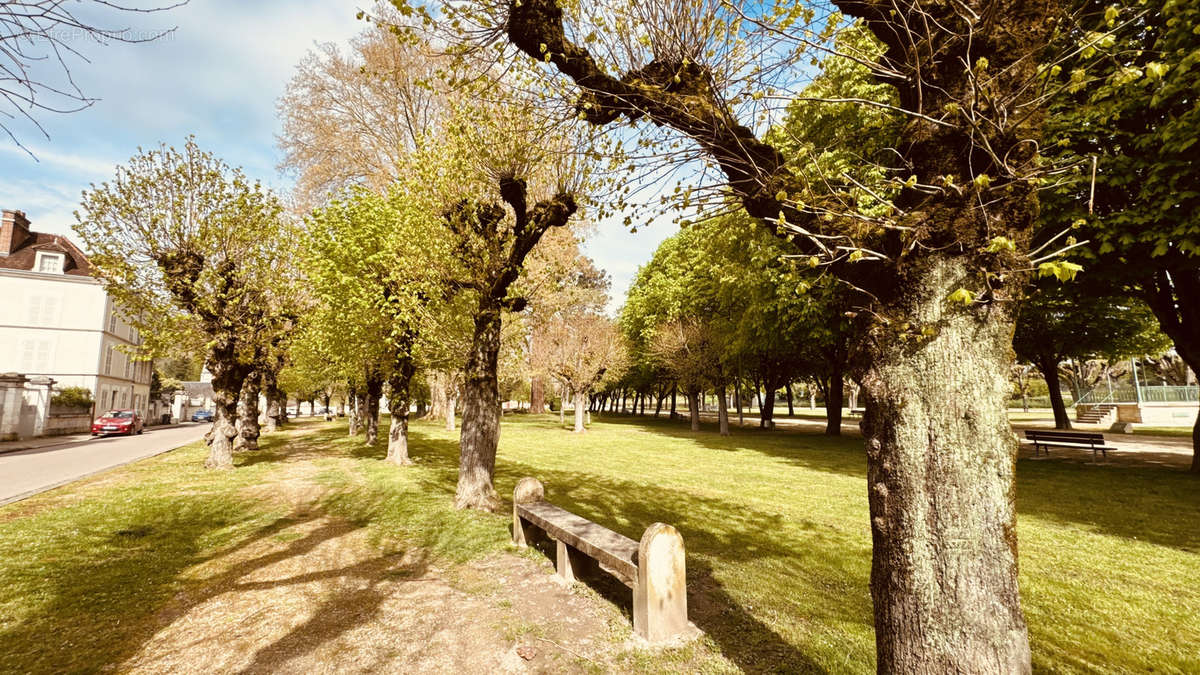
(653,567)
(1066,439)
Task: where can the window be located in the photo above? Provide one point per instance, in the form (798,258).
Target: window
(128,367)
(43,310)
(35,356)
(49,263)
(108,357)
(112,322)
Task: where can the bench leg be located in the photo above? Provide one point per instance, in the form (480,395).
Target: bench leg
(563,563)
(660,594)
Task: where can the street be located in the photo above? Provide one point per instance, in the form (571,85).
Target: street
(27,472)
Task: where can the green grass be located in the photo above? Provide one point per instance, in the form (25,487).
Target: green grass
(1178,432)
(775,525)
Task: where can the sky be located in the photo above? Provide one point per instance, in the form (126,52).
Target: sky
(217,77)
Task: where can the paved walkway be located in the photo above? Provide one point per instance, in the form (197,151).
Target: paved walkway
(30,467)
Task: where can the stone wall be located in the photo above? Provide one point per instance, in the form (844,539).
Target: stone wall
(65,420)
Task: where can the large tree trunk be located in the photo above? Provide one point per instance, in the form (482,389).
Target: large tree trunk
(693,399)
(1049,368)
(580,398)
(674,390)
(537,395)
(227,381)
(941,458)
(723,410)
(481,414)
(374,393)
(835,394)
(791,409)
(246,439)
(400,384)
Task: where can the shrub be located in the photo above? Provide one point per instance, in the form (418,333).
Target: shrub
(73,397)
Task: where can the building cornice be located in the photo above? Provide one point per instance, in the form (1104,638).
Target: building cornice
(44,276)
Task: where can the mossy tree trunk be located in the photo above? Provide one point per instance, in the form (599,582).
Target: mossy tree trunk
(248,430)
(941,458)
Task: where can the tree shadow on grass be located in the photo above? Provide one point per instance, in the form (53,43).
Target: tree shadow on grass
(744,540)
(1146,503)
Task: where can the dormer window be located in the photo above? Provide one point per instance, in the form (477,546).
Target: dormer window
(50,263)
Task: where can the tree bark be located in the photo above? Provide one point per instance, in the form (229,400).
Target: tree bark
(674,390)
(228,377)
(766,412)
(351,414)
(537,395)
(693,399)
(788,390)
(834,398)
(374,391)
(246,439)
(580,398)
(723,410)
(270,385)
(401,387)
(481,413)
(1049,368)
(941,457)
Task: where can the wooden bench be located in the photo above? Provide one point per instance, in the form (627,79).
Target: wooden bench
(1066,439)
(653,567)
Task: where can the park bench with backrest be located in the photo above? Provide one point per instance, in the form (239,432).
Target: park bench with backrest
(1066,439)
(653,568)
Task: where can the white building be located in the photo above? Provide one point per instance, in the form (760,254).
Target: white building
(57,321)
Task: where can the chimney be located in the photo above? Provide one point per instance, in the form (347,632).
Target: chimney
(14,230)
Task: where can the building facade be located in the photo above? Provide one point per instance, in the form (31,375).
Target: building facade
(56,320)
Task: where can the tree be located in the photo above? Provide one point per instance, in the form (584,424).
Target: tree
(938,275)
(1126,117)
(578,349)
(36,53)
(376,265)
(187,244)
(1078,321)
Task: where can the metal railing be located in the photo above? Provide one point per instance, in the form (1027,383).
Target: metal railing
(1127,394)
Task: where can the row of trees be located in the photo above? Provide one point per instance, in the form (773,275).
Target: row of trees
(923,215)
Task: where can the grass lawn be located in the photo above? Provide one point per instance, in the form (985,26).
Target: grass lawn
(1178,432)
(775,525)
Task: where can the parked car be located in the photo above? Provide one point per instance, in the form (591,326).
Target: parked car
(202,416)
(126,422)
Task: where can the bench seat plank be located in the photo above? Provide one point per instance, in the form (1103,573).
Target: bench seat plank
(609,548)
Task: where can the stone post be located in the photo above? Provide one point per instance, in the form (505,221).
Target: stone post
(12,401)
(528,490)
(38,392)
(660,595)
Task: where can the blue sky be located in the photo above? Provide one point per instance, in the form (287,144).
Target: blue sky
(217,77)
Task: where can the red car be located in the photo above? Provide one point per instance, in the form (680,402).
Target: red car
(118,422)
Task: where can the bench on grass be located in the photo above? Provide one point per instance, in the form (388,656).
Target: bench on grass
(1066,439)
(653,567)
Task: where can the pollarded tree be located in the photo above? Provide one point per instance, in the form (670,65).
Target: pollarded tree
(187,244)
(938,275)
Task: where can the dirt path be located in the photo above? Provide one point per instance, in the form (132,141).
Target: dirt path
(317,596)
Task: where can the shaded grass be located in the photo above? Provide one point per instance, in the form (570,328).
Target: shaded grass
(1178,432)
(775,525)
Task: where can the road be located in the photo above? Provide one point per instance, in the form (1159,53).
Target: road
(28,472)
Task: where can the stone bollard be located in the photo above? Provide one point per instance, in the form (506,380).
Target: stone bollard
(527,490)
(660,595)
